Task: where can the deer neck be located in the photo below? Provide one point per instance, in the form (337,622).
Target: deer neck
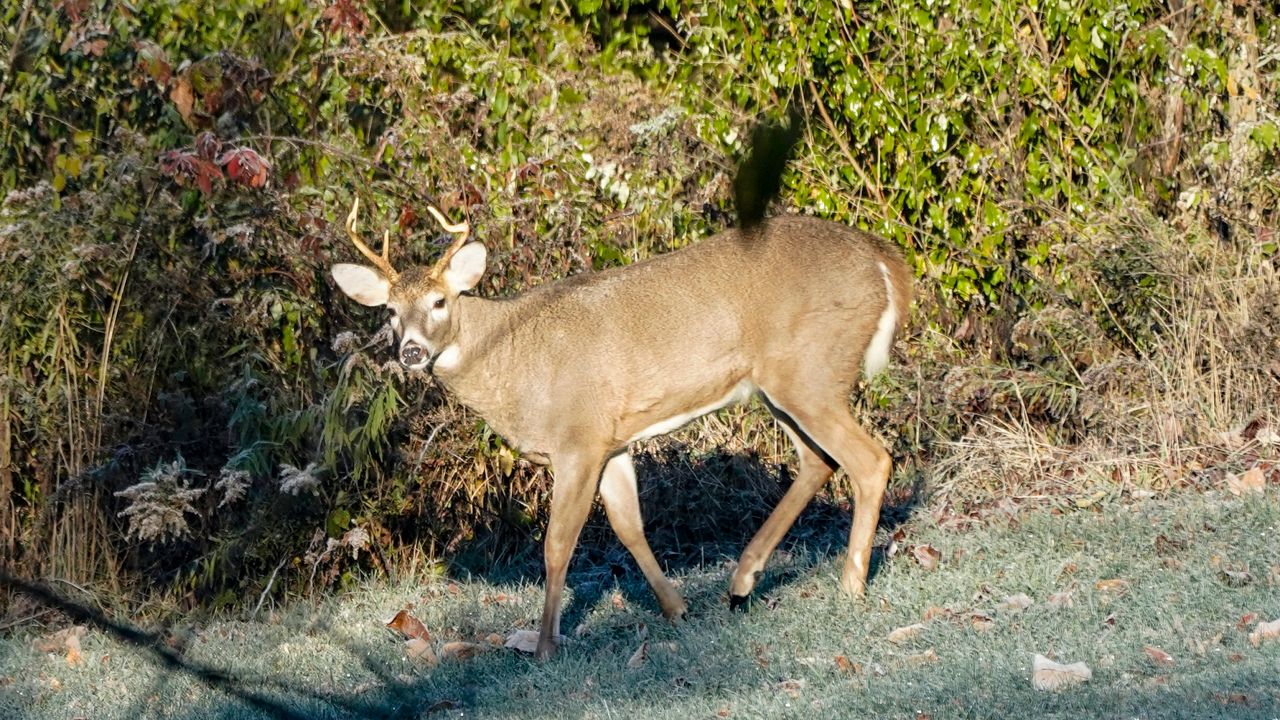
(469,364)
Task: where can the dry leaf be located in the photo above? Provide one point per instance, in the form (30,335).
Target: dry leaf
(904,634)
(927,657)
(183,97)
(1246,620)
(1251,482)
(933,611)
(1157,655)
(73,650)
(419,650)
(1114,585)
(61,640)
(1060,600)
(1049,675)
(843,664)
(617,601)
(459,650)
(495,640)
(1265,631)
(409,626)
(1015,603)
(791,687)
(525,641)
(981,622)
(1267,436)
(927,555)
(639,657)
(1235,578)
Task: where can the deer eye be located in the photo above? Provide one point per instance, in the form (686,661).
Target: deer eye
(438,304)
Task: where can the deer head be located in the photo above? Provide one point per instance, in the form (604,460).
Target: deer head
(422,300)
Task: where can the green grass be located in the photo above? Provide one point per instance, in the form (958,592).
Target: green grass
(777,661)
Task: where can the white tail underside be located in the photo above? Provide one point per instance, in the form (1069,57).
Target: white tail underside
(877,357)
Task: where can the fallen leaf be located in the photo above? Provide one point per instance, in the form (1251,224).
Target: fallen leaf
(1267,436)
(1235,578)
(526,641)
(420,651)
(791,687)
(1231,698)
(933,611)
(844,665)
(981,622)
(458,650)
(1265,631)
(639,657)
(495,640)
(617,601)
(1251,482)
(61,640)
(927,555)
(925,658)
(723,712)
(1167,546)
(1246,620)
(409,626)
(73,651)
(1158,656)
(1112,586)
(1049,675)
(1060,600)
(903,634)
(1015,603)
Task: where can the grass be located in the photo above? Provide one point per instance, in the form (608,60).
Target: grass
(803,650)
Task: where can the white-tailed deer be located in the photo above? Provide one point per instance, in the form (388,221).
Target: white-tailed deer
(574,371)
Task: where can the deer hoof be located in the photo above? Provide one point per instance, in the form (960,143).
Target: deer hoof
(739,602)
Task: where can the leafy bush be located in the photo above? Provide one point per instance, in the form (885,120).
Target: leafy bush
(178,369)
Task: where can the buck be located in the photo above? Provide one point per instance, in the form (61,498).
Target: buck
(573,372)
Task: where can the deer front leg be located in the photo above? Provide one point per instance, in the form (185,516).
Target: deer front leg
(571,494)
(622,504)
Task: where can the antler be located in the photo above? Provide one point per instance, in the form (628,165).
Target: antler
(462,230)
(382,262)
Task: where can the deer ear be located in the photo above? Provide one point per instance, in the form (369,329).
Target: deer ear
(362,284)
(465,267)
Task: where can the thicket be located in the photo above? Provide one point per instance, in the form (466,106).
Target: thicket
(1087,192)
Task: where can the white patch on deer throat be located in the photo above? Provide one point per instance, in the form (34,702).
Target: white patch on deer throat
(448,358)
(739,393)
(877,355)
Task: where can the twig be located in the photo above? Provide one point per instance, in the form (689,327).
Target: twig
(270,581)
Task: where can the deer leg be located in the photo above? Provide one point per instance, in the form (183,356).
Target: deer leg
(571,495)
(834,430)
(815,470)
(622,504)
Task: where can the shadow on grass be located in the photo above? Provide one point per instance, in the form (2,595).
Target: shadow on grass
(700,513)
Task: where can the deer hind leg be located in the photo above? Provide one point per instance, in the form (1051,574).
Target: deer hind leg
(622,504)
(571,496)
(815,469)
(830,426)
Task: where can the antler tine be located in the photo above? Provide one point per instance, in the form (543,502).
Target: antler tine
(461,229)
(383,261)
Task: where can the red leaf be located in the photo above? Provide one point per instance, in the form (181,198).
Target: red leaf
(245,166)
(344,15)
(409,626)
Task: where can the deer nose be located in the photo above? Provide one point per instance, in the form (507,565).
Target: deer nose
(410,354)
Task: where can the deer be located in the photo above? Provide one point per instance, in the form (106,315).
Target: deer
(792,310)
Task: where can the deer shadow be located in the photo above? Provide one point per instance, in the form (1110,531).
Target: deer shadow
(700,511)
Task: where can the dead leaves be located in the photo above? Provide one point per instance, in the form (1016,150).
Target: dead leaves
(1051,676)
(1266,631)
(903,634)
(1251,482)
(1158,656)
(68,640)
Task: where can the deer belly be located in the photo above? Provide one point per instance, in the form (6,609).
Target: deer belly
(740,392)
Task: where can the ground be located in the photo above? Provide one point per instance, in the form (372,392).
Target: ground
(1159,596)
